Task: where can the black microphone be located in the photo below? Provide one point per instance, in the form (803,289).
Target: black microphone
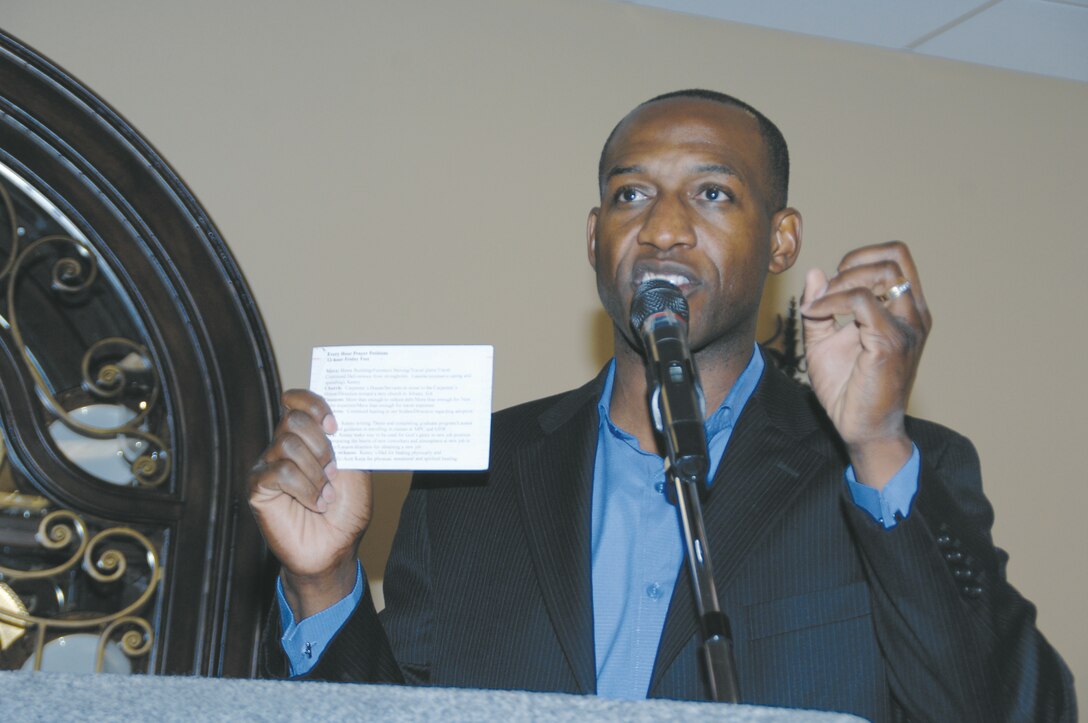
(659,317)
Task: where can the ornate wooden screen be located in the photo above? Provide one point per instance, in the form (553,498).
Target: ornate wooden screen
(137,385)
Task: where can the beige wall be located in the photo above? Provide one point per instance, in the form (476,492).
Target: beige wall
(421,171)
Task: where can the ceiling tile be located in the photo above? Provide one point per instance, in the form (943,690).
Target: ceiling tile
(888,23)
(1081,3)
(1035,36)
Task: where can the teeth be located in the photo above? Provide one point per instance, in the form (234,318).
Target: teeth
(674,279)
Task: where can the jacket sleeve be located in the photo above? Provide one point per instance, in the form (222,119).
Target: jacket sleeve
(959,641)
(361,651)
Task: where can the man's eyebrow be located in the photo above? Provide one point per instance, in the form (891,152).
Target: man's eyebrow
(705,168)
(621,170)
(718,168)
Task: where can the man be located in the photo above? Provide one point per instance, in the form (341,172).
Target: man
(851,543)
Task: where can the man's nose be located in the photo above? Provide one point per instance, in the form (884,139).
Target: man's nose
(668,224)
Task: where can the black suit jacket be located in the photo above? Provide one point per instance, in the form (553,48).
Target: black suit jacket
(488,584)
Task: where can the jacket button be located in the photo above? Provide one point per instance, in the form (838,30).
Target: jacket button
(953,556)
(971,591)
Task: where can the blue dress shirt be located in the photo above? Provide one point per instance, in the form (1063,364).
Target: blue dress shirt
(637,547)
(638,542)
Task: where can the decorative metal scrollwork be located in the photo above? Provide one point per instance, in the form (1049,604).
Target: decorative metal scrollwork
(118,398)
(105,558)
(75,587)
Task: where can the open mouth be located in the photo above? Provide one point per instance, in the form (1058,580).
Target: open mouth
(681,281)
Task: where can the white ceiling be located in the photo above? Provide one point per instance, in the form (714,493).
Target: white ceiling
(1047,37)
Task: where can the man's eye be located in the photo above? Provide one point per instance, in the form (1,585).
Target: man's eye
(715,193)
(628,194)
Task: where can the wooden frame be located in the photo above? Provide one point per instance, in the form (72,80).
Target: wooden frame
(203,331)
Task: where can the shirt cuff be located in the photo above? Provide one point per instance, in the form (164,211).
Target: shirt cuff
(891,504)
(304,642)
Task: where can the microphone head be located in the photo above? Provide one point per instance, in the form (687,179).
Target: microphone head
(654,296)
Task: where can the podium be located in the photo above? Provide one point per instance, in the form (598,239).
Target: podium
(67,696)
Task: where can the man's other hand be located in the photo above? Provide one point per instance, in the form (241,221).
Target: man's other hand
(312,514)
(862,370)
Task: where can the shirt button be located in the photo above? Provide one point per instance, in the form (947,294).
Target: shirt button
(653,591)
(659,488)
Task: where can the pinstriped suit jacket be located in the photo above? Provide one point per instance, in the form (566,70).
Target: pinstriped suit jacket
(488,584)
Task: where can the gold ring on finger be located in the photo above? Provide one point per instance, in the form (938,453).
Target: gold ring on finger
(896,291)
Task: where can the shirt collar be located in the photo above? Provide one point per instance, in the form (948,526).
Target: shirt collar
(723,417)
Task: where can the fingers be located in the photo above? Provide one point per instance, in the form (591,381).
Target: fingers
(299,461)
(287,477)
(878,285)
(314,405)
(885,266)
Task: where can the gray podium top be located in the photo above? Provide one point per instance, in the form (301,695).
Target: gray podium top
(67,696)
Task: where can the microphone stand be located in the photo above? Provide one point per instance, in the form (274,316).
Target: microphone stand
(717,644)
(660,317)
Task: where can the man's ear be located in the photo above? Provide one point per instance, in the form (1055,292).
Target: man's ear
(785,239)
(591,236)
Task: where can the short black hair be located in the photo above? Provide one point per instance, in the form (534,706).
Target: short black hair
(778,154)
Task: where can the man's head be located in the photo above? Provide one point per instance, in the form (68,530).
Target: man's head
(693,188)
(778,155)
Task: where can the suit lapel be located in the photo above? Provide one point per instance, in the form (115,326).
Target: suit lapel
(764,468)
(555,478)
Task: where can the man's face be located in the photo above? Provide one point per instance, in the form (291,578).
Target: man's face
(686,198)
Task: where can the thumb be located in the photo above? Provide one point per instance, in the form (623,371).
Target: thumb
(815,329)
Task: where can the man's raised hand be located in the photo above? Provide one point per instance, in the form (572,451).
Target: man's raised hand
(312,514)
(862,371)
